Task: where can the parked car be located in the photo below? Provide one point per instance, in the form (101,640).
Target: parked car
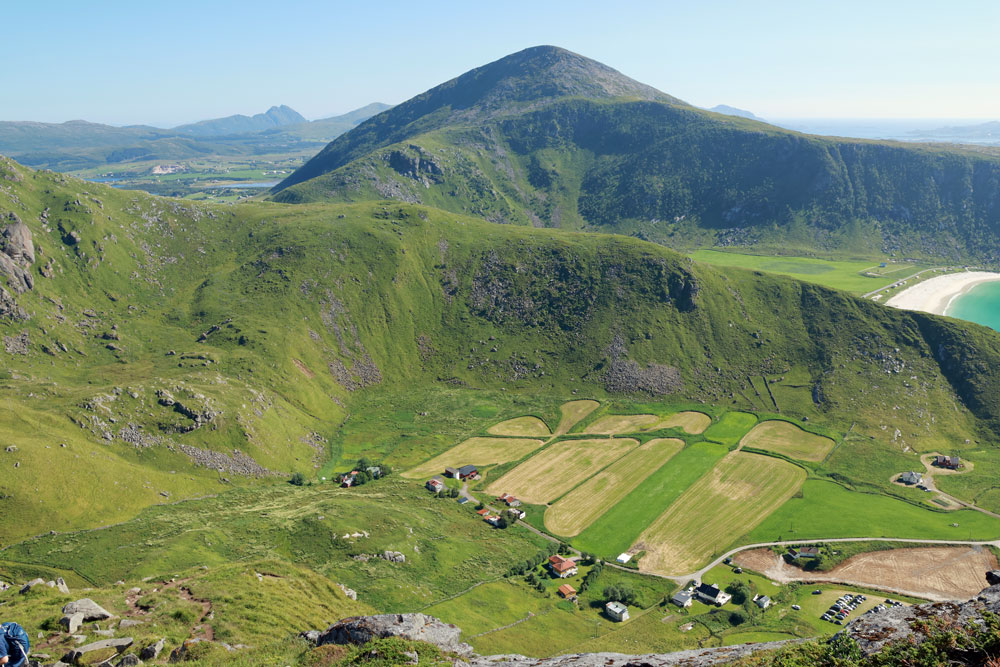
(796,607)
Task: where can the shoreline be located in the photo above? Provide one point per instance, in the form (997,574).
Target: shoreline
(936,295)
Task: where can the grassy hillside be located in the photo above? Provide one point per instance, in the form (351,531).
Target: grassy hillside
(161,335)
(539,138)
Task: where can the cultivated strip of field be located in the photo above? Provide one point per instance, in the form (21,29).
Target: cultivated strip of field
(788,439)
(527,426)
(731,427)
(615,530)
(936,573)
(554,471)
(573,412)
(736,495)
(583,505)
(690,421)
(477,451)
(614,424)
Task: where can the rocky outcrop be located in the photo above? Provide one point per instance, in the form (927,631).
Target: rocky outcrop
(97,652)
(91,610)
(702,657)
(416,627)
(152,652)
(872,632)
(17,254)
(71,622)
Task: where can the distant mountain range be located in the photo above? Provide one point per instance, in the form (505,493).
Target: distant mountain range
(547,137)
(982,133)
(733,111)
(80,144)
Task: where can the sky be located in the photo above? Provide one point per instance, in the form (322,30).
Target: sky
(167,63)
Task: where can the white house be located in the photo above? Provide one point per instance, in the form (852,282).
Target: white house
(624,558)
(711,594)
(617,611)
(683,598)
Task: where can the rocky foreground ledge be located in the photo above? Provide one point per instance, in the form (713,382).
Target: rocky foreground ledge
(871,632)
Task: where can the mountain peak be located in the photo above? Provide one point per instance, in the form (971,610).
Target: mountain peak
(513,84)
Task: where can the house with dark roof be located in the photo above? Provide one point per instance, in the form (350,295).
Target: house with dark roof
(466,472)
(804,552)
(683,598)
(711,594)
(950,462)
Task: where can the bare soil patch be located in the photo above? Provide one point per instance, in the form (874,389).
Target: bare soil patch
(302,367)
(934,573)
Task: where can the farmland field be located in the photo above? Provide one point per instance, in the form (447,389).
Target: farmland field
(788,439)
(736,495)
(583,505)
(690,421)
(573,412)
(618,528)
(845,275)
(478,451)
(551,473)
(614,424)
(528,426)
(730,428)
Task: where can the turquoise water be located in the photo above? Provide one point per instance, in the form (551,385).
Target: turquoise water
(981,304)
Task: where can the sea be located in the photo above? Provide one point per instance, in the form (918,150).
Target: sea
(981,305)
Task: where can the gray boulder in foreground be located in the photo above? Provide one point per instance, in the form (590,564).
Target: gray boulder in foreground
(701,657)
(110,647)
(91,610)
(416,627)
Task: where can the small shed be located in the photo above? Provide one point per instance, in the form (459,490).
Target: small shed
(567,591)
(683,598)
(624,558)
(762,601)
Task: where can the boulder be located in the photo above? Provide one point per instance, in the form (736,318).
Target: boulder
(91,610)
(129,623)
(416,627)
(31,584)
(152,652)
(71,622)
(61,586)
(97,652)
(16,243)
(311,636)
(394,556)
(129,660)
(993,577)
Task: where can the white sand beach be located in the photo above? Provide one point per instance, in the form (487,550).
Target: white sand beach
(936,294)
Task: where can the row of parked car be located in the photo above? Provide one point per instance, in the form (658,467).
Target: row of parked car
(882,606)
(842,608)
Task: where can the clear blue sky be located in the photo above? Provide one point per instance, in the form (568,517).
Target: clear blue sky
(165,63)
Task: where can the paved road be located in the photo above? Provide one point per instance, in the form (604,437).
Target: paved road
(880,289)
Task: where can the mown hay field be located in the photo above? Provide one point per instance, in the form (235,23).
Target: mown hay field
(690,421)
(786,438)
(573,412)
(614,424)
(554,471)
(477,451)
(730,500)
(586,503)
(527,426)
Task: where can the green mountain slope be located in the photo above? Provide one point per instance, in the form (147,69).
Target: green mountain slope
(165,350)
(549,138)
